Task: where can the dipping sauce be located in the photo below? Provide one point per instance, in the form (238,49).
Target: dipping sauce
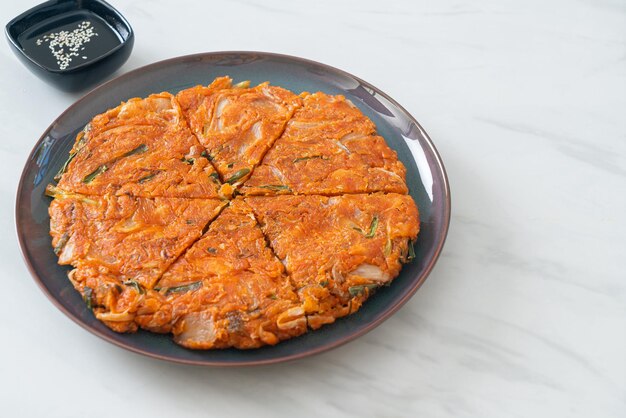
(69,40)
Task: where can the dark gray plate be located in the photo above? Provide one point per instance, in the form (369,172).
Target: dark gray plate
(426,178)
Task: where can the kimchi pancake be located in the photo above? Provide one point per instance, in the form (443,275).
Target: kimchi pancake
(142,147)
(329,147)
(338,250)
(147,213)
(228,289)
(237,124)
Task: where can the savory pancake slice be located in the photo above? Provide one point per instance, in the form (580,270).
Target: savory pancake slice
(329,147)
(237,124)
(227,290)
(122,243)
(337,250)
(142,147)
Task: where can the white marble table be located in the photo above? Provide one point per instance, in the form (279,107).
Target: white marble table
(525,313)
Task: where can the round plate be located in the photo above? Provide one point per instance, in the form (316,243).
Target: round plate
(426,179)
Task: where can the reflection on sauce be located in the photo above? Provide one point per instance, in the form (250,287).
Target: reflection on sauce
(66,41)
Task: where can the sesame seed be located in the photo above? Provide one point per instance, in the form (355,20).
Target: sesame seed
(65,45)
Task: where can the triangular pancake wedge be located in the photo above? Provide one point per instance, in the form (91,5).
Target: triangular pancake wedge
(144,148)
(329,147)
(121,245)
(338,250)
(237,124)
(228,289)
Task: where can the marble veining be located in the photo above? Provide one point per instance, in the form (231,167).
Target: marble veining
(524,314)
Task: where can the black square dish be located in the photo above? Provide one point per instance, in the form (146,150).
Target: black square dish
(71,44)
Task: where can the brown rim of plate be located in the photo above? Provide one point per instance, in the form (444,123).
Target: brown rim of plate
(384,315)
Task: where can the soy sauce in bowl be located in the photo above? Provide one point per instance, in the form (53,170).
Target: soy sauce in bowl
(72,44)
(69,40)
